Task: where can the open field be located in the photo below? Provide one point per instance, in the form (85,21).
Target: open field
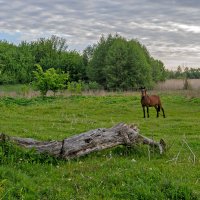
(119,173)
(174,86)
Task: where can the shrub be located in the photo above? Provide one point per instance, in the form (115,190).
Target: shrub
(92,85)
(49,80)
(75,87)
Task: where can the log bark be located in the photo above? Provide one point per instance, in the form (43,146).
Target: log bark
(88,142)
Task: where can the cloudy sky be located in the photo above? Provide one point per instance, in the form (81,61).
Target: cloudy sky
(169,29)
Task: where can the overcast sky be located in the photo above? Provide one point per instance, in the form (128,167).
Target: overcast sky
(170,29)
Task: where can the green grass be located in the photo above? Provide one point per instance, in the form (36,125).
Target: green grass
(14,88)
(23,90)
(118,173)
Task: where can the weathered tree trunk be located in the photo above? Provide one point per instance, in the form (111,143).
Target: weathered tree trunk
(85,143)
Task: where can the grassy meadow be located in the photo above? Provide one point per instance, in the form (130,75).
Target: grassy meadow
(119,173)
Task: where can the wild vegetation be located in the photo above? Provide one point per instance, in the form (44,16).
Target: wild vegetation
(119,173)
(192,85)
(114,63)
(184,73)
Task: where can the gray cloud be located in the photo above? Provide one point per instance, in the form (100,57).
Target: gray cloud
(169,29)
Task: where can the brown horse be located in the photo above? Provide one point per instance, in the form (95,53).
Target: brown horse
(151,101)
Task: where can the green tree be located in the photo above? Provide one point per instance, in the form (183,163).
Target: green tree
(25,63)
(120,64)
(16,63)
(72,62)
(7,62)
(52,53)
(179,72)
(113,63)
(116,65)
(96,66)
(158,70)
(47,52)
(88,54)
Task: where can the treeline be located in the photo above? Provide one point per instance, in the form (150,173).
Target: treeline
(113,63)
(184,73)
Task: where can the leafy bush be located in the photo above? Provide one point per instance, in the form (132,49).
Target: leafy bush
(49,80)
(75,87)
(6,79)
(92,85)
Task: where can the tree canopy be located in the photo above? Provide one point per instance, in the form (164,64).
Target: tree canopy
(17,62)
(183,73)
(118,63)
(114,63)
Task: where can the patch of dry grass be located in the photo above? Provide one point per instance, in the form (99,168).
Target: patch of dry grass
(171,87)
(178,84)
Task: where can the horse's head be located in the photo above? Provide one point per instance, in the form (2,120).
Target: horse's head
(143,91)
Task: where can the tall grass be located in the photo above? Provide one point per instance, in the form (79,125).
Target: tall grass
(179,84)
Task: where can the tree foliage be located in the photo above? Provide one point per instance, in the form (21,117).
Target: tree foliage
(183,73)
(49,80)
(17,62)
(118,63)
(114,63)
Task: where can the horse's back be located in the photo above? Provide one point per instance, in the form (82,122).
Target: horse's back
(155,100)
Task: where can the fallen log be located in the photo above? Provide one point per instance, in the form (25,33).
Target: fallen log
(88,142)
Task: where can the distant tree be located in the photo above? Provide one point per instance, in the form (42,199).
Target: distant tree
(170,74)
(117,63)
(7,62)
(179,72)
(25,63)
(192,73)
(126,66)
(158,70)
(116,66)
(47,52)
(72,62)
(113,63)
(96,66)
(88,54)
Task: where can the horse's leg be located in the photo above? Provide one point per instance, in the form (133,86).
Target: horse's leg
(163,112)
(143,110)
(157,111)
(148,111)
